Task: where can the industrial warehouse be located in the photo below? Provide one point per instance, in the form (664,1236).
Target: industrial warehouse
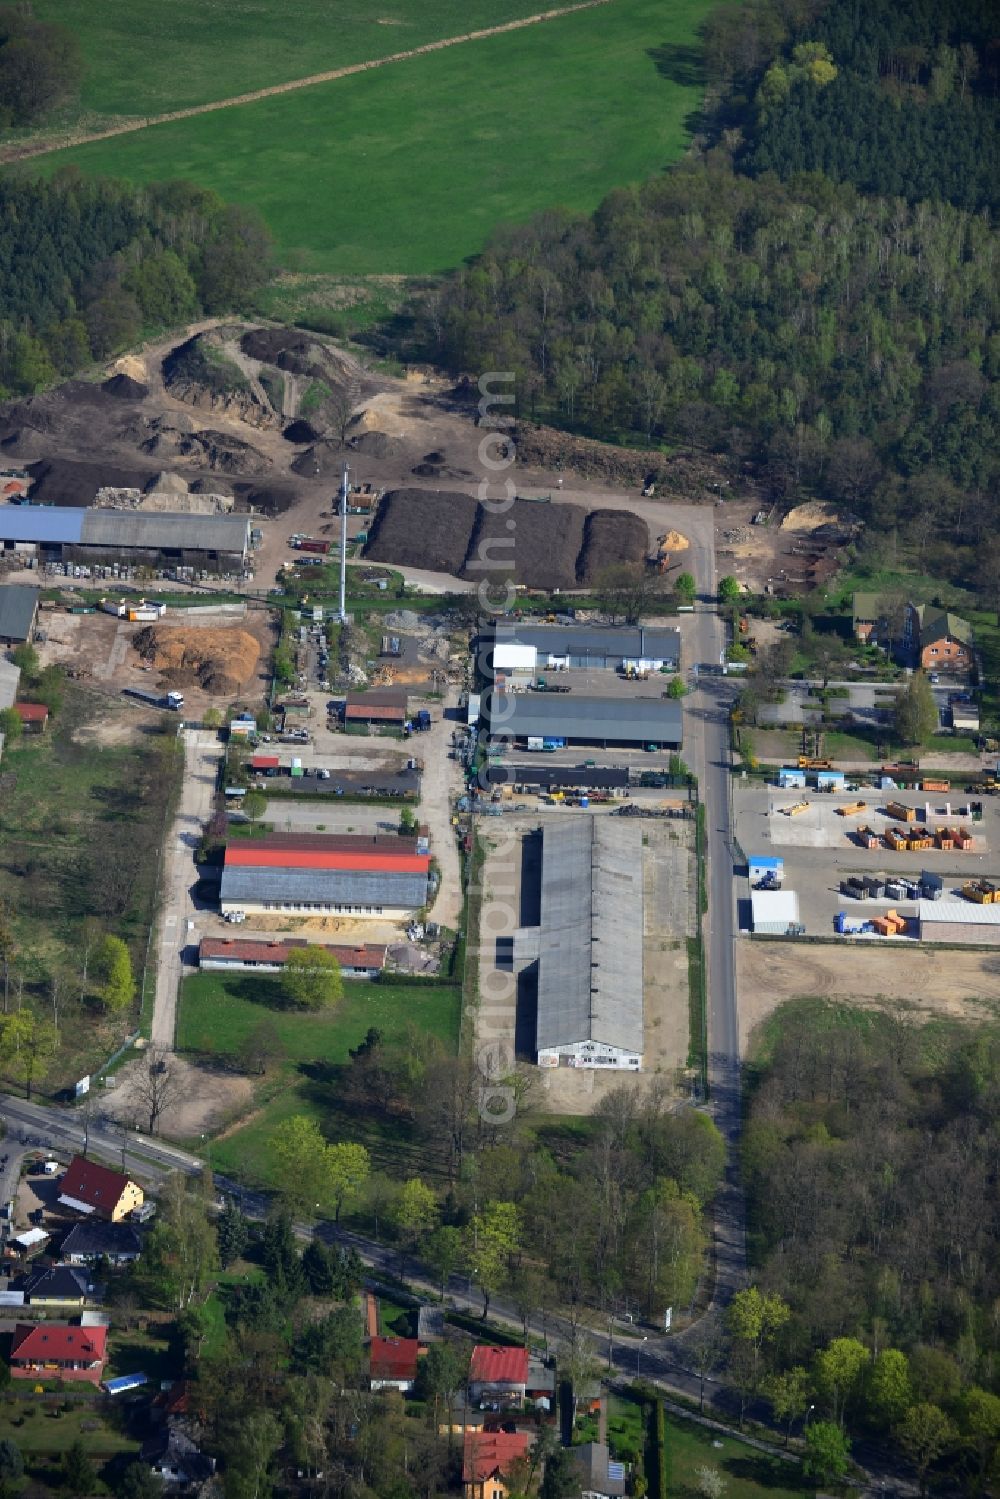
(538,721)
(325,874)
(156,539)
(515,650)
(589,946)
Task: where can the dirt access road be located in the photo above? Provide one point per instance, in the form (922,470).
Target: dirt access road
(128,127)
(202,753)
(440,784)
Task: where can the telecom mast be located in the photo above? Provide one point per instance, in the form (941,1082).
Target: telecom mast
(344,491)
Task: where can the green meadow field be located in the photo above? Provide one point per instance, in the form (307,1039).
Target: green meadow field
(146,57)
(405,170)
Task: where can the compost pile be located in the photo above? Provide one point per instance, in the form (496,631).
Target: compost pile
(541,545)
(219,661)
(689,474)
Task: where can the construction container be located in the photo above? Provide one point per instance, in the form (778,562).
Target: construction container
(874,889)
(982,892)
(867,837)
(935,785)
(896,890)
(920,843)
(852,809)
(796,809)
(944,839)
(963,839)
(899,813)
(897,840)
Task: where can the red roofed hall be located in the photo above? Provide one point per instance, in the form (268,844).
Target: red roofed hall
(88,1187)
(487,1460)
(325,874)
(498,1373)
(52,1350)
(393,1363)
(243,954)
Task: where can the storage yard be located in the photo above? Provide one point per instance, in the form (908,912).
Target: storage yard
(919,865)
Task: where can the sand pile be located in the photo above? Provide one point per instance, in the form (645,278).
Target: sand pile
(219,661)
(814,515)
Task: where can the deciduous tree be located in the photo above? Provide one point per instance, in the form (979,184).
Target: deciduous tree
(312,977)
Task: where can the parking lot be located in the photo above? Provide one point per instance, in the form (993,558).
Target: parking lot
(819,851)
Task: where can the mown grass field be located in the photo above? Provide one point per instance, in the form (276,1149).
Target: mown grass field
(218,1011)
(408,168)
(143,57)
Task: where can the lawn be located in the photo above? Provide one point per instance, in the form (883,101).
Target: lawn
(218,1011)
(407,169)
(749,1474)
(143,57)
(29,1421)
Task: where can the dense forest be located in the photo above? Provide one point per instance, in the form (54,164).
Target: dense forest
(900,100)
(86,265)
(870,1161)
(833,339)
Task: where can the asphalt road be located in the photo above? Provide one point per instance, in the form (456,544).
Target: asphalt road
(707,748)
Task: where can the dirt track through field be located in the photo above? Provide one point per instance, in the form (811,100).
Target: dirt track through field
(128,127)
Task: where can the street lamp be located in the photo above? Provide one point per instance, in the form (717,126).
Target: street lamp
(805,1424)
(638,1355)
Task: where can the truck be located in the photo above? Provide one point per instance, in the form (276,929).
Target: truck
(172,700)
(312,544)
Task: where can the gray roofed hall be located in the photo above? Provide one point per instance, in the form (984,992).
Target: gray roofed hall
(590,935)
(610,641)
(18,603)
(589,719)
(165,530)
(336,887)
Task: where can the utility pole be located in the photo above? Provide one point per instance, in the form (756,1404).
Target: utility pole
(344,491)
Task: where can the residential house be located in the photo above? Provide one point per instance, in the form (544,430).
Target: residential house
(88,1187)
(34,716)
(93,1239)
(498,1376)
(244,955)
(175,1457)
(54,1350)
(393,1363)
(944,640)
(600,1478)
(868,617)
(58,1286)
(487,1460)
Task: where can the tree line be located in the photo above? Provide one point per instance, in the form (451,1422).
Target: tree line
(88,264)
(837,344)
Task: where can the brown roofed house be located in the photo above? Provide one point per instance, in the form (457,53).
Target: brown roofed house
(88,1187)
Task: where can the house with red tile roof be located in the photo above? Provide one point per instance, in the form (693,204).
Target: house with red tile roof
(498,1374)
(88,1187)
(393,1363)
(243,955)
(487,1460)
(53,1350)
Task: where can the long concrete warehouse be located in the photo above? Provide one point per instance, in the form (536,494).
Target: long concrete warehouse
(532,719)
(589,946)
(152,538)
